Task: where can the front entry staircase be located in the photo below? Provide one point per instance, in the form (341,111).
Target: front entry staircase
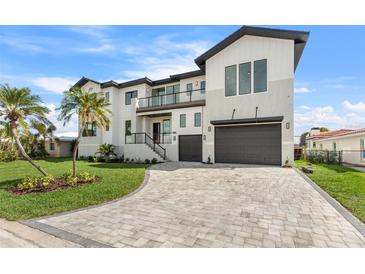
(144,138)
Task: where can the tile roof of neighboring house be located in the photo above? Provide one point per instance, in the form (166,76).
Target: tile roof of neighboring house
(336,133)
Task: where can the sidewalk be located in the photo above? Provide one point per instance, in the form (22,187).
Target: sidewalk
(14,234)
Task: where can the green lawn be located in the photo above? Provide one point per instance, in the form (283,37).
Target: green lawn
(117,180)
(344,184)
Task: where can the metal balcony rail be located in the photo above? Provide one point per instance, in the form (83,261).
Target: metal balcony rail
(172,98)
(144,138)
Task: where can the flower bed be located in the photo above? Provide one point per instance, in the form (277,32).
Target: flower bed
(44,184)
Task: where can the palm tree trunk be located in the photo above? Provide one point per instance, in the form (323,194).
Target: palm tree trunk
(74,153)
(24,154)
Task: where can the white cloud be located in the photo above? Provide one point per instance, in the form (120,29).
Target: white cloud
(358,107)
(53,84)
(104,48)
(23,44)
(304,107)
(302,90)
(69,130)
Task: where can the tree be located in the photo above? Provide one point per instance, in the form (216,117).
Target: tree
(303,139)
(18,108)
(323,129)
(44,131)
(106,150)
(90,108)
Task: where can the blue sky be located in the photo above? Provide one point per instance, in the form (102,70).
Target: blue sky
(329,81)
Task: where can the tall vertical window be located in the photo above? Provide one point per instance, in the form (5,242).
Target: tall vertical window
(90,130)
(314,145)
(171,96)
(202,87)
(129,95)
(362,147)
(128,127)
(197,119)
(51,146)
(231,80)
(182,120)
(157,96)
(189,88)
(260,75)
(107,97)
(334,146)
(107,127)
(244,78)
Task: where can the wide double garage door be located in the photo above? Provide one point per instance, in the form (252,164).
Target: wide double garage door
(248,144)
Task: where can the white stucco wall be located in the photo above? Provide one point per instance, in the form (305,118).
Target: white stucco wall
(277,101)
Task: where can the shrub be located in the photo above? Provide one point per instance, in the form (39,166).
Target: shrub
(92,159)
(121,159)
(154,161)
(147,161)
(100,159)
(86,177)
(35,182)
(82,158)
(132,160)
(127,160)
(8,155)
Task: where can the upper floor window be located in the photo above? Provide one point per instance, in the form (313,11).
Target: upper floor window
(90,129)
(171,96)
(197,119)
(260,75)
(230,80)
(107,127)
(334,146)
(189,87)
(202,87)
(51,146)
(244,78)
(129,95)
(128,127)
(107,97)
(314,145)
(182,120)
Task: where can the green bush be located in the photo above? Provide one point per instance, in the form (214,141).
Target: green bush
(35,182)
(86,177)
(8,155)
(147,161)
(154,161)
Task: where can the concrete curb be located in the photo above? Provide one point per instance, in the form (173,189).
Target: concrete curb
(71,237)
(340,209)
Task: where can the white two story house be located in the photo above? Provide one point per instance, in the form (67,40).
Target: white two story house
(237,107)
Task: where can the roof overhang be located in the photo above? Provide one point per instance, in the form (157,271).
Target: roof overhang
(300,39)
(272,119)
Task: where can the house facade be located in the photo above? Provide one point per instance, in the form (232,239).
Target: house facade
(350,142)
(59,146)
(236,108)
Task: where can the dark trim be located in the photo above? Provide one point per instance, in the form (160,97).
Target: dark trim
(248,120)
(300,38)
(172,106)
(83,81)
(189,74)
(139,81)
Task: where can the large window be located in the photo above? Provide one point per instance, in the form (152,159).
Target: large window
(244,78)
(51,146)
(90,129)
(202,87)
(107,97)
(197,119)
(182,120)
(129,95)
(158,99)
(231,80)
(260,75)
(128,127)
(171,97)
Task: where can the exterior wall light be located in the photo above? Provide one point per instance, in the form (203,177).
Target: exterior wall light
(287,125)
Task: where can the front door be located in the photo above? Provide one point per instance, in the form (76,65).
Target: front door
(156,132)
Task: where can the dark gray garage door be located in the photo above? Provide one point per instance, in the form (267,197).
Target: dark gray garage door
(251,144)
(190,148)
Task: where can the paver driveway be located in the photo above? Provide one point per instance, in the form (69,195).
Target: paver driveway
(196,205)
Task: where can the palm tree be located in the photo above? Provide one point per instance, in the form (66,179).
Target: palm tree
(90,108)
(44,131)
(106,150)
(17,108)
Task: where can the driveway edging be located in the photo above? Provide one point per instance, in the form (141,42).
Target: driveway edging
(355,222)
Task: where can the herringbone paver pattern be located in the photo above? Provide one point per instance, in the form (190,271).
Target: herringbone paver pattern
(196,205)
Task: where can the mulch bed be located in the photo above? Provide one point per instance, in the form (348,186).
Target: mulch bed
(58,183)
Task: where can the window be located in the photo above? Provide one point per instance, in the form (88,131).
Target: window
(202,87)
(197,119)
(244,78)
(128,127)
(157,96)
(90,89)
(166,126)
(362,147)
(52,146)
(334,147)
(260,75)
(231,80)
(314,144)
(189,88)
(171,97)
(182,120)
(106,97)
(129,96)
(90,130)
(107,127)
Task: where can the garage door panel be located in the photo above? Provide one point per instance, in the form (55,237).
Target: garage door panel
(255,144)
(190,148)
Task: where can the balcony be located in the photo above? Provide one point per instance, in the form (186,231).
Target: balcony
(170,101)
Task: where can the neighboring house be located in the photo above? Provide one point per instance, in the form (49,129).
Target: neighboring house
(236,108)
(350,141)
(59,146)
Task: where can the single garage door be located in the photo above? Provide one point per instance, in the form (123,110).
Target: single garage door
(190,148)
(250,144)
